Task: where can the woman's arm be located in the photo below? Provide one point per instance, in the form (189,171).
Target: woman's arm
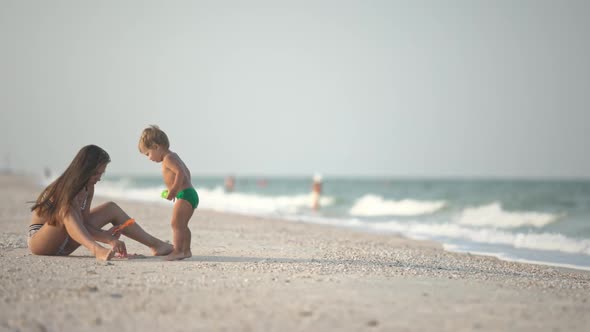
(86,211)
(96,233)
(78,231)
(100,235)
(107,238)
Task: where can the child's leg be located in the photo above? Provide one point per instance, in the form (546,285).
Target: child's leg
(181,214)
(187,243)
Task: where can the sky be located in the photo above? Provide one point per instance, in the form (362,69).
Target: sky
(345,88)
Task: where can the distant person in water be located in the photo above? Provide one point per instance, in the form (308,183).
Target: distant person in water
(316,191)
(47,173)
(62,218)
(155,145)
(229,183)
(262,183)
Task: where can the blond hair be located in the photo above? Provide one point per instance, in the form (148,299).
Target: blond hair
(152,136)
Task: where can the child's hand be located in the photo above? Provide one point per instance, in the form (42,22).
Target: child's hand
(119,247)
(171,196)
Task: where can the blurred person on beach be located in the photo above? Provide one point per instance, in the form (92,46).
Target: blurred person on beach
(155,145)
(229,183)
(262,183)
(316,190)
(62,219)
(47,173)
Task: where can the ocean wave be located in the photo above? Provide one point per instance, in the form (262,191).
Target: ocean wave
(373,205)
(451,231)
(133,194)
(493,222)
(534,241)
(219,200)
(494,216)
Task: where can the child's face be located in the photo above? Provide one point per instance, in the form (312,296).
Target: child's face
(155,154)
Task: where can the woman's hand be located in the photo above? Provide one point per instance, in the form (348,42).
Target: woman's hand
(119,247)
(111,232)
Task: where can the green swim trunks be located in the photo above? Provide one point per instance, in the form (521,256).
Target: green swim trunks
(190,195)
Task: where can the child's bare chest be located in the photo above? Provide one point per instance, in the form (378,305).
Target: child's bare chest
(168,175)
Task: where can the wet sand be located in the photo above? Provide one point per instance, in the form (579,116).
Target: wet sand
(257,274)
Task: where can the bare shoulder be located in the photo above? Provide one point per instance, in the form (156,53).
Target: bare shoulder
(172,160)
(171,157)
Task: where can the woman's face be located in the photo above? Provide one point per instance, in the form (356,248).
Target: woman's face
(99,172)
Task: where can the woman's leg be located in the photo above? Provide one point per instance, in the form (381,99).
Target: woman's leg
(111,213)
(48,240)
(77,231)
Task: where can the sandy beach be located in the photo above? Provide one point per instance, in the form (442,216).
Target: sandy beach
(257,274)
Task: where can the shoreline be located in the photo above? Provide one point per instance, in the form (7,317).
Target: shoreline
(33,182)
(512,252)
(564,267)
(440,245)
(551,248)
(251,273)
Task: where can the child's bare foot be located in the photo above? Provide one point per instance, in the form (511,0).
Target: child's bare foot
(174,256)
(188,254)
(103,254)
(162,249)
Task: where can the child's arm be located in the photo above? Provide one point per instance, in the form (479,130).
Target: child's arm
(173,164)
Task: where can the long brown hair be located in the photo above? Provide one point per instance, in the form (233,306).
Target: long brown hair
(54,202)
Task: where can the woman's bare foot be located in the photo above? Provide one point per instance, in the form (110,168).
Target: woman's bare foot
(174,256)
(162,249)
(104,254)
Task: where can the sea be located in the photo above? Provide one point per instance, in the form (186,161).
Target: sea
(532,221)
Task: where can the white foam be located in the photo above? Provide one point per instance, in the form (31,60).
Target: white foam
(373,205)
(292,206)
(452,231)
(121,190)
(534,241)
(493,215)
(217,199)
(316,219)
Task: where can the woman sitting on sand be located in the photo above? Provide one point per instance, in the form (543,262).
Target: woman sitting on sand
(62,219)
